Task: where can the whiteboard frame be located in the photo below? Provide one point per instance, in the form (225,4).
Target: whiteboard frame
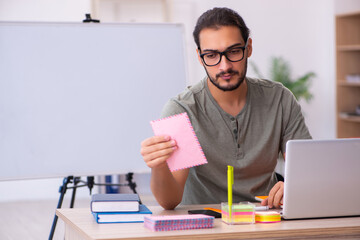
(27,91)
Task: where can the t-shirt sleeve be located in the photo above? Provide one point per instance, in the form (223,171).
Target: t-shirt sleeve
(294,126)
(172,108)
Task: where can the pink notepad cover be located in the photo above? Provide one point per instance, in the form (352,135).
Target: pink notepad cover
(189,152)
(178,218)
(178,222)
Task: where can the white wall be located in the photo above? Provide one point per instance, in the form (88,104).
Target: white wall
(302,32)
(44,10)
(345,6)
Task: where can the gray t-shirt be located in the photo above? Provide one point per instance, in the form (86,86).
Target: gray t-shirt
(250,142)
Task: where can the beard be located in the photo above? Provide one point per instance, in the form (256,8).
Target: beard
(240,80)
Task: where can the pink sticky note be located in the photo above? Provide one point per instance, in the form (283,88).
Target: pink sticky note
(179,128)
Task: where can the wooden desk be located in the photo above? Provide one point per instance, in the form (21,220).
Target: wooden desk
(80,224)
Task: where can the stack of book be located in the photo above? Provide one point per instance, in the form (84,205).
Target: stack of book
(118,208)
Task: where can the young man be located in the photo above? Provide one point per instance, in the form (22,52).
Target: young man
(239,121)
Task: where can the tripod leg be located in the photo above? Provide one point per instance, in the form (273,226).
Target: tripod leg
(62,191)
(131,184)
(76,181)
(90,183)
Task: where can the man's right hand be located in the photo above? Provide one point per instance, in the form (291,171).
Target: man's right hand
(167,187)
(157,149)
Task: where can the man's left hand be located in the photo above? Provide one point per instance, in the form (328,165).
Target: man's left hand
(275,198)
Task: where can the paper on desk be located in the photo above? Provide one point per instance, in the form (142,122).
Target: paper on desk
(179,128)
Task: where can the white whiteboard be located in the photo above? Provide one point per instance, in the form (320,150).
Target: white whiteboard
(77,99)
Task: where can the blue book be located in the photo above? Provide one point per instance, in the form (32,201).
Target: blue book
(121,202)
(122,217)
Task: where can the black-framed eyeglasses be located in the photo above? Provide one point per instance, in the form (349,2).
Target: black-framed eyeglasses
(233,54)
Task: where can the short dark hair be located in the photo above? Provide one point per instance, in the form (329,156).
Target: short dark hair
(218,17)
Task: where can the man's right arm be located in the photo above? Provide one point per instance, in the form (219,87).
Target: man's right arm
(167,186)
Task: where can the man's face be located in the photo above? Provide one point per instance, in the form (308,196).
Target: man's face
(226,75)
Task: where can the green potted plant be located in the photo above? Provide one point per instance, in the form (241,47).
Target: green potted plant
(280,71)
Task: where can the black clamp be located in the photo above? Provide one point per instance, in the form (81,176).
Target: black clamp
(89,19)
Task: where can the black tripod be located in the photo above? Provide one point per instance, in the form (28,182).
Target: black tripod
(90,183)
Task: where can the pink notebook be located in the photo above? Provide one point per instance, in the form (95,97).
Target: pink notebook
(179,128)
(178,222)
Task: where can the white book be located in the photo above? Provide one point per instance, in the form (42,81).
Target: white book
(118,202)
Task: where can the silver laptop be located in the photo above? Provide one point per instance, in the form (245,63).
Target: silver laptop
(322,178)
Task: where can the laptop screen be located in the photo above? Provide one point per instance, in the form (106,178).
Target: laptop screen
(322,178)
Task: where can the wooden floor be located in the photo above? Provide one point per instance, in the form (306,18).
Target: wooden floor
(33,219)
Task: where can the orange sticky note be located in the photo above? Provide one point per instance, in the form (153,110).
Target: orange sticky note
(260,198)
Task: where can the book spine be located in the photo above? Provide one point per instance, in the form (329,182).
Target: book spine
(95,217)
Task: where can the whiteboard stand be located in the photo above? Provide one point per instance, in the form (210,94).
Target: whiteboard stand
(90,183)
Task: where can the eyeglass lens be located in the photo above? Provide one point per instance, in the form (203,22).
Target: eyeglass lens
(233,55)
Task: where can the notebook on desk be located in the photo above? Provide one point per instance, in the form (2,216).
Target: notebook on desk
(322,178)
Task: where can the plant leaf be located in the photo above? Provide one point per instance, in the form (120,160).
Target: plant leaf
(280,71)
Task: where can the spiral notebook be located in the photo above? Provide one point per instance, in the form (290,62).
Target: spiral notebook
(179,128)
(178,222)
